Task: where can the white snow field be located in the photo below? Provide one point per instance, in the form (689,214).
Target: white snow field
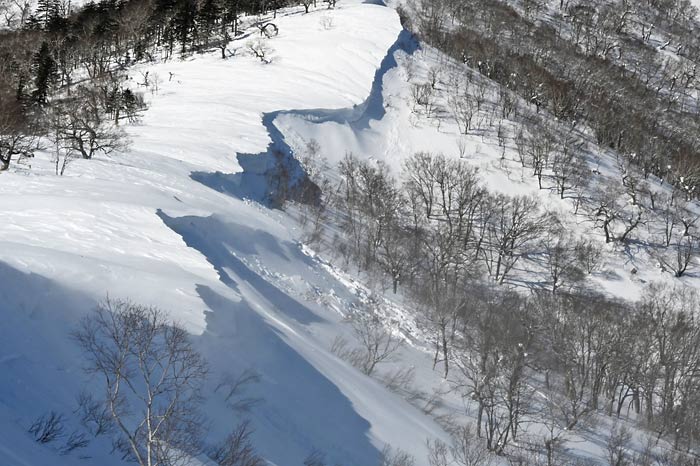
(139,226)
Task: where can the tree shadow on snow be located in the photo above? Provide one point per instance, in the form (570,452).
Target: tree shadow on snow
(300,409)
(37,315)
(40,366)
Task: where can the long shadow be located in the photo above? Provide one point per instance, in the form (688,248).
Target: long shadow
(273,175)
(41,367)
(36,317)
(300,409)
(219,242)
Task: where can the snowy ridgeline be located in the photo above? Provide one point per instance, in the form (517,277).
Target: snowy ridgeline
(139,225)
(169,224)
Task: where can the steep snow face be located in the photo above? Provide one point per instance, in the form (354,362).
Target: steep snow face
(140,225)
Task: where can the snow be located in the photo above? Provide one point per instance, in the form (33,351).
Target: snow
(140,225)
(172,224)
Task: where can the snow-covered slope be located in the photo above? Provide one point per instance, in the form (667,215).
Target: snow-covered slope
(388,129)
(141,225)
(171,224)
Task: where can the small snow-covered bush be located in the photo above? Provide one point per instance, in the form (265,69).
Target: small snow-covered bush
(260,49)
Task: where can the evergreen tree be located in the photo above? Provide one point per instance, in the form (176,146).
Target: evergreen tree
(47,11)
(208,15)
(45,73)
(231,12)
(184,23)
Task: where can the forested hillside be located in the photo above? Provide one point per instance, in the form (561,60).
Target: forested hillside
(426,232)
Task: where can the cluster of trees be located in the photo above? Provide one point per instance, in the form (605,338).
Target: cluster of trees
(625,206)
(553,359)
(48,50)
(563,353)
(150,384)
(624,203)
(440,227)
(598,70)
(556,356)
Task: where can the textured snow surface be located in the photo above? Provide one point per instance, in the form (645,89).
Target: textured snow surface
(168,224)
(231,271)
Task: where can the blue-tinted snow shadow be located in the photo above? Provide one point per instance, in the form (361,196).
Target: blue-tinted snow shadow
(36,317)
(220,242)
(276,174)
(300,409)
(42,371)
(41,367)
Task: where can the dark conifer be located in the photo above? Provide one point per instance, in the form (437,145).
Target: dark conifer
(45,73)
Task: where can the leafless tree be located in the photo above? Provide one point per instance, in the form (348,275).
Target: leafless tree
(393,457)
(5,11)
(313,215)
(666,215)
(582,335)
(371,204)
(463,108)
(559,250)
(589,255)
(672,335)
(492,360)
(151,376)
(423,96)
(685,217)
(17,139)
(554,421)
(515,224)
(307,4)
(393,255)
(617,446)
(464,450)
(568,168)
(679,255)
(447,207)
(237,449)
(520,140)
(539,148)
(261,50)
(616,214)
(82,126)
(377,344)
(15,12)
